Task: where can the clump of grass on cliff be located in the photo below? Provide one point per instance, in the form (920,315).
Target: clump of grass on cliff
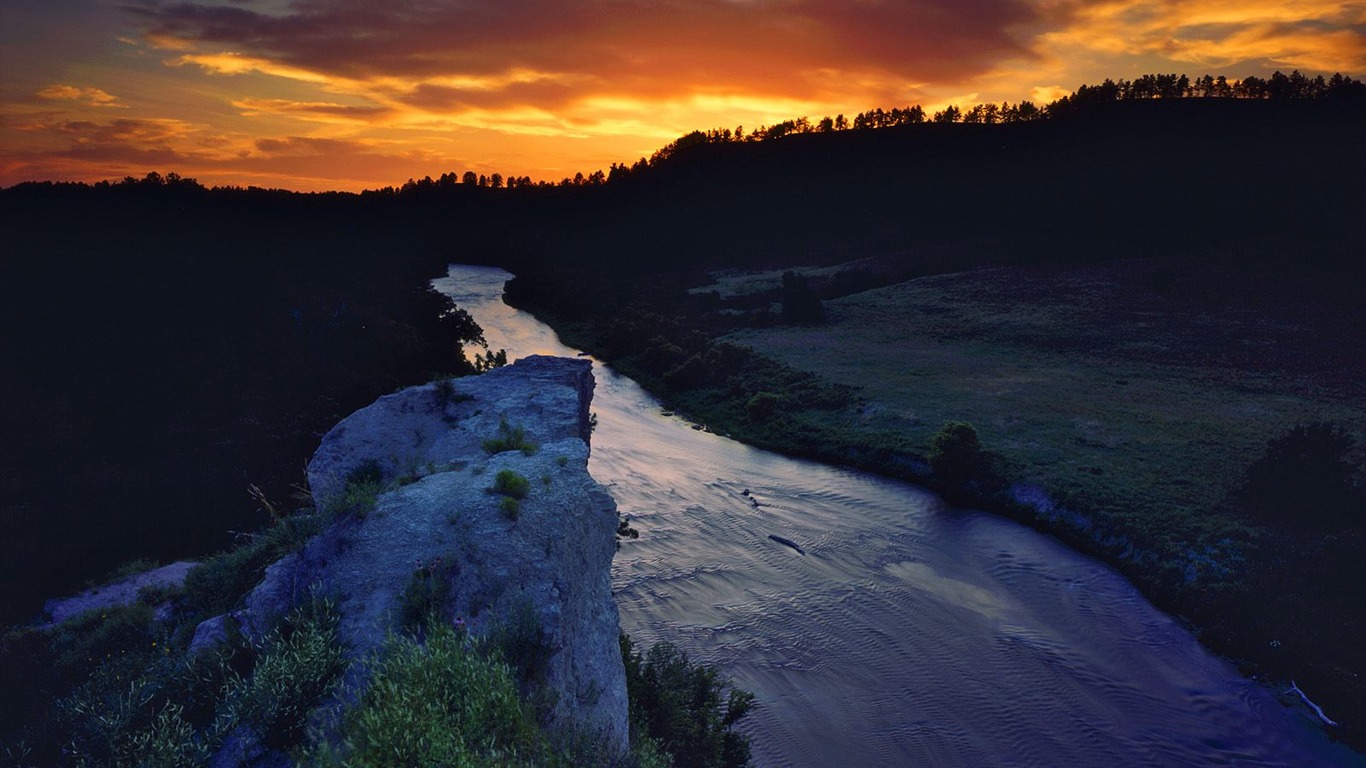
(510,438)
(438,703)
(513,487)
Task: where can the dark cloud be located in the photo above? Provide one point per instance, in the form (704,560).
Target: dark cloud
(312,108)
(544,94)
(754,45)
(132,131)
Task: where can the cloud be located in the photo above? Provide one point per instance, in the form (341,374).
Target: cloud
(623,46)
(316,111)
(302,146)
(92,97)
(1311,34)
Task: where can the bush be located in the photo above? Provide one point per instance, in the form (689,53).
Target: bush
(300,664)
(425,596)
(689,709)
(521,643)
(800,305)
(761,406)
(437,704)
(509,438)
(956,453)
(511,484)
(1304,477)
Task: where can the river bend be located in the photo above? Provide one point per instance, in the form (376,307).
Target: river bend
(909,633)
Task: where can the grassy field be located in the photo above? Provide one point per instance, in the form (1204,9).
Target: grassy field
(1139,388)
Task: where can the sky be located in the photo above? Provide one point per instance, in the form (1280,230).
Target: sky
(360,94)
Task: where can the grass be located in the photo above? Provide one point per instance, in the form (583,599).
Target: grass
(509,483)
(299,665)
(510,438)
(1140,402)
(513,487)
(437,704)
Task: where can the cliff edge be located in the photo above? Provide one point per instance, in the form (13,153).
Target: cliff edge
(477,491)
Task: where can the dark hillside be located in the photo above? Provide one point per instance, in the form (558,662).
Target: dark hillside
(1112,180)
(165,346)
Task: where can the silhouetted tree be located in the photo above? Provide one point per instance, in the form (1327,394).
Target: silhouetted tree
(800,304)
(1304,477)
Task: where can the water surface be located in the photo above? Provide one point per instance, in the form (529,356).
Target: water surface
(909,633)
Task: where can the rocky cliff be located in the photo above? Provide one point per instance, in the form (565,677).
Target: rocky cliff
(430,457)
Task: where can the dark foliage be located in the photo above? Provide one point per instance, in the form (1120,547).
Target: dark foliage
(956,453)
(165,346)
(689,708)
(800,305)
(1305,478)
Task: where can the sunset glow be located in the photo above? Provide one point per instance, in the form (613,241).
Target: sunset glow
(352,94)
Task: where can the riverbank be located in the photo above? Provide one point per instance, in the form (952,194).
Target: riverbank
(1124,451)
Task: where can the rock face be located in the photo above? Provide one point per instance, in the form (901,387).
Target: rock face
(548,568)
(119,593)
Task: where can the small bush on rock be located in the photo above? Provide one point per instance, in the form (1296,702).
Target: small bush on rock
(510,483)
(510,438)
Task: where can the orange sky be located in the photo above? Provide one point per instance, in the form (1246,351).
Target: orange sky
(354,94)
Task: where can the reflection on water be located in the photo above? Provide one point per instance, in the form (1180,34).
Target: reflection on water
(909,634)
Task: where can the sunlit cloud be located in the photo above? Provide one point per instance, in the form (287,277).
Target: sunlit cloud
(1310,33)
(236,64)
(1044,94)
(93,97)
(317,111)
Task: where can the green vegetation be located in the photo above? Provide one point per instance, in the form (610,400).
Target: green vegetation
(438,703)
(219,582)
(688,709)
(424,598)
(510,483)
(512,487)
(510,438)
(1305,478)
(297,667)
(956,454)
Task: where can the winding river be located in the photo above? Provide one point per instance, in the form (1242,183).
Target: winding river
(908,633)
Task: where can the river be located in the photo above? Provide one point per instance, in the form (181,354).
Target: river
(909,633)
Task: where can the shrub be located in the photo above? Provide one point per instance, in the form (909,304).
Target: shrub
(510,483)
(425,595)
(519,641)
(689,709)
(510,507)
(437,703)
(956,453)
(299,665)
(509,438)
(761,406)
(1305,477)
(800,305)
(217,584)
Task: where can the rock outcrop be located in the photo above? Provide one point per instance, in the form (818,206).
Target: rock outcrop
(119,593)
(437,449)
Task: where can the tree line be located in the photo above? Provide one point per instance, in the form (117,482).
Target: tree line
(1279,87)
